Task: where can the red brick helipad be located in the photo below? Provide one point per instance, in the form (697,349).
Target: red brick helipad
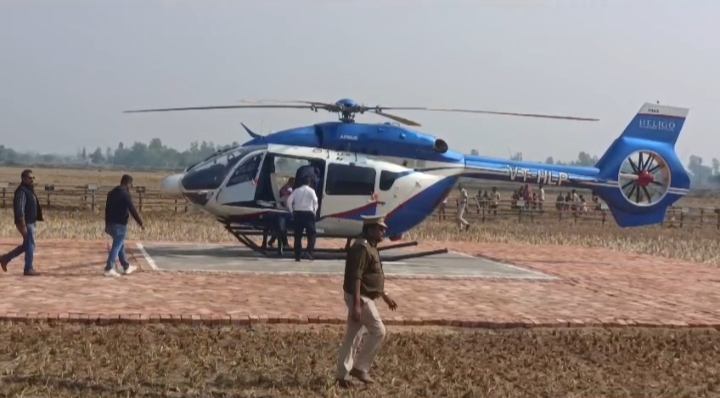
(594,287)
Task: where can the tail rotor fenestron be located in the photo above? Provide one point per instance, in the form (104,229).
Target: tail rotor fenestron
(644,178)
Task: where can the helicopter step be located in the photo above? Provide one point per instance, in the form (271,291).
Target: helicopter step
(243,234)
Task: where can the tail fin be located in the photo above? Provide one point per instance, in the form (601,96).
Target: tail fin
(643,173)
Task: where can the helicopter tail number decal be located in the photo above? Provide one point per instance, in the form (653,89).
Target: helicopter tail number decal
(650,177)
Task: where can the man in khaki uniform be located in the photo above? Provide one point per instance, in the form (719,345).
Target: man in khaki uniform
(364,283)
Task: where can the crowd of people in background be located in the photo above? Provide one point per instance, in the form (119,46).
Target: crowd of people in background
(525,197)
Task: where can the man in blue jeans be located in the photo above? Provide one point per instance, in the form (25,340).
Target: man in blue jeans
(118,207)
(26,207)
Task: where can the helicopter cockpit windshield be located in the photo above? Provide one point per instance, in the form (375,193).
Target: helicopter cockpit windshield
(210,173)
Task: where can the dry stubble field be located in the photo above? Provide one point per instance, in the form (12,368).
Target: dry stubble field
(281,361)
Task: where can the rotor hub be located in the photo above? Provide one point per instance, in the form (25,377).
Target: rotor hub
(645,178)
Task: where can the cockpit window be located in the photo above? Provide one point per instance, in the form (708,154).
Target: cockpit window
(387,179)
(227,158)
(210,173)
(246,171)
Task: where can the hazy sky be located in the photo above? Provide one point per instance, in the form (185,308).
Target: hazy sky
(68,71)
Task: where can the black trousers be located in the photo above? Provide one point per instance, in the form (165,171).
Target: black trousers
(304,221)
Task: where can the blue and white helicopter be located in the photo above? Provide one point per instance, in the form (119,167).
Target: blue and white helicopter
(368,169)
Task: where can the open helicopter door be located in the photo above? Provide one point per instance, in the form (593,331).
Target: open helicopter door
(348,194)
(277,168)
(242,184)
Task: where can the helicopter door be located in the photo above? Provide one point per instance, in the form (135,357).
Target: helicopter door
(348,192)
(240,188)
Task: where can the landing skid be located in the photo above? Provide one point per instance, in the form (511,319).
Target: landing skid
(243,234)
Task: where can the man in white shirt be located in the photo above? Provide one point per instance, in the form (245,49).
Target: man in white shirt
(303,205)
(462,206)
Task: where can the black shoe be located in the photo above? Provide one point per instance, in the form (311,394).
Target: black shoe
(297,259)
(32,272)
(4,263)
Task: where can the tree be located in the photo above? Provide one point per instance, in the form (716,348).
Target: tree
(517,156)
(700,172)
(108,155)
(474,152)
(549,160)
(716,166)
(97,156)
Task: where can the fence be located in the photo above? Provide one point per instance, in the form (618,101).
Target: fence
(92,197)
(573,212)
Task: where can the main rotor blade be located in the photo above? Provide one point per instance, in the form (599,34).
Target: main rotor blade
(204,108)
(490,113)
(397,118)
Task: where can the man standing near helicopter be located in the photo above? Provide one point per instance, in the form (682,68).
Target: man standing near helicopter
(462,206)
(280,234)
(364,283)
(303,205)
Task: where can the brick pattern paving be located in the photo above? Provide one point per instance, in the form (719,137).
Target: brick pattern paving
(595,287)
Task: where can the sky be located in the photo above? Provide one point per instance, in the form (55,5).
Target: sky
(69,68)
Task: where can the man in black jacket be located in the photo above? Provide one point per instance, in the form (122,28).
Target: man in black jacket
(118,207)
(27,211)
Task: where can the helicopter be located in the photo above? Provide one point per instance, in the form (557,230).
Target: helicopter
(372,169)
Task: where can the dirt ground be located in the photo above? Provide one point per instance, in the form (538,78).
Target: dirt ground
(70,360)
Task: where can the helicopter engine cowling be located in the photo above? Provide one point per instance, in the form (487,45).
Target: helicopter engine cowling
(440,146)
(380,140)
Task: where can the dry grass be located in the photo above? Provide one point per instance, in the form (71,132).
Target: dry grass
(699,245)
(168,361)
(82,176)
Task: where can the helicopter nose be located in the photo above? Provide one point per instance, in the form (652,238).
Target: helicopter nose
(171,186)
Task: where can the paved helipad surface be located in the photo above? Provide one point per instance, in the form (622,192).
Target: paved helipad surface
(591,287)
(194,257)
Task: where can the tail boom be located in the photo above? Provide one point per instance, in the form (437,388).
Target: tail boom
(638,177)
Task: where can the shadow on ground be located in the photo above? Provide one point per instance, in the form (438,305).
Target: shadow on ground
(43,360)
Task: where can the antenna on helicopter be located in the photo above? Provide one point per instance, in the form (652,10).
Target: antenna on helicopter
(347,109)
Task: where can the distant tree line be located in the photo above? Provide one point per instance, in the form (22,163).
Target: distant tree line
(153,155)
(157,156)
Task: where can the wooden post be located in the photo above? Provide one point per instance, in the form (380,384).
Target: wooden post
(176,204)
(140,191)
(717,211)
(49,189)
(91,189)
(682,216)
(702,217)
(4,186)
